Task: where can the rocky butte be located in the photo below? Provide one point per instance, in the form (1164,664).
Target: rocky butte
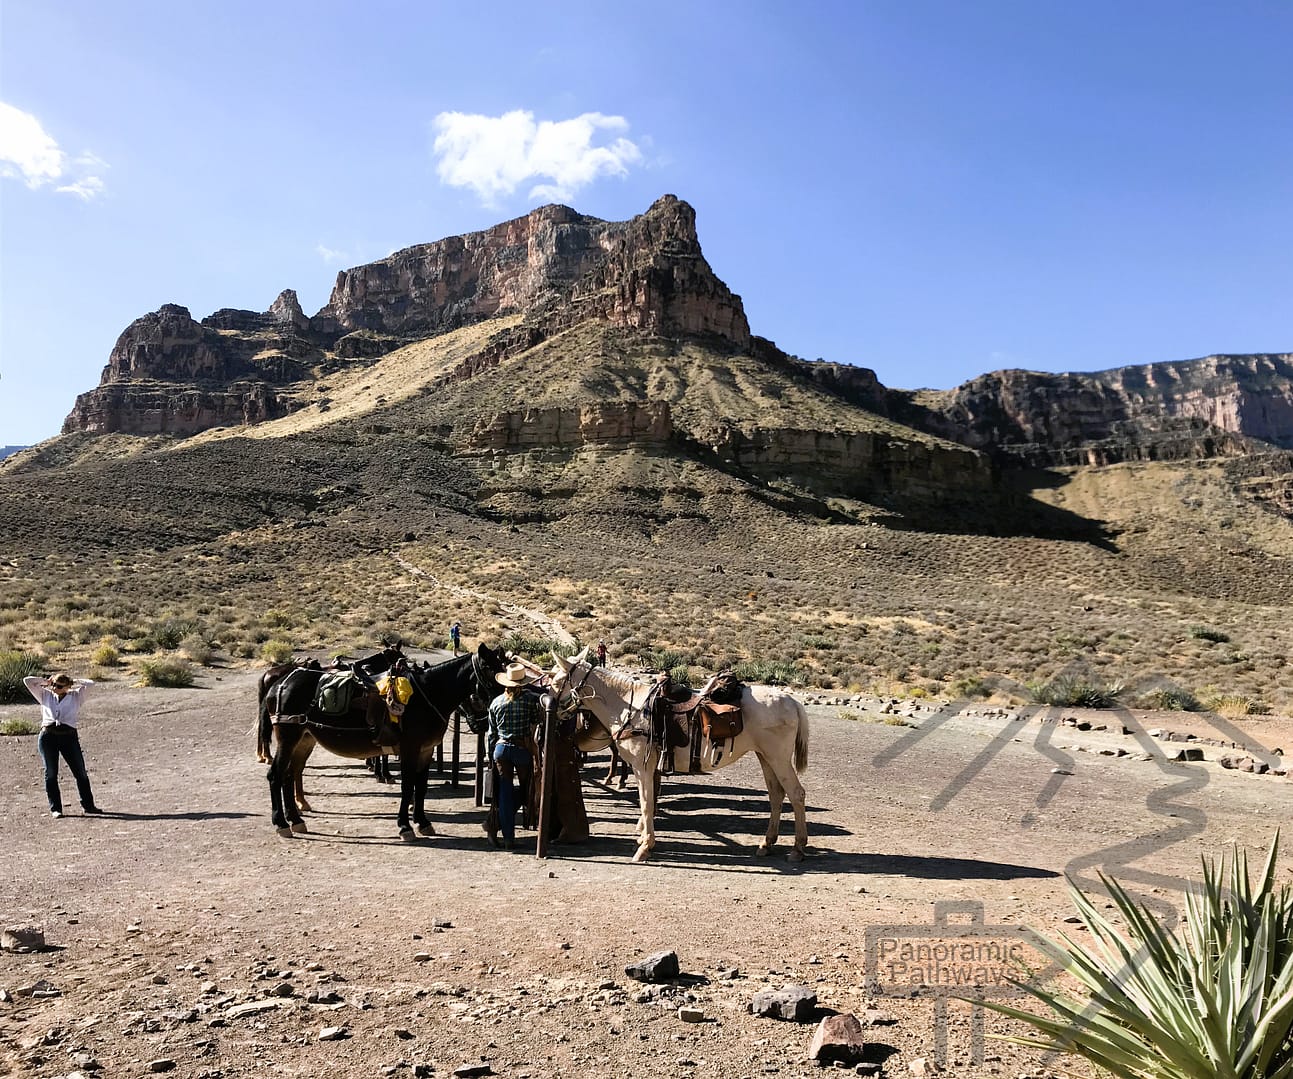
(555,269)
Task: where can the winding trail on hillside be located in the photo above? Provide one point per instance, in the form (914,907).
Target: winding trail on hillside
(545,623)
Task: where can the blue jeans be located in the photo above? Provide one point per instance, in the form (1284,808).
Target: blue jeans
(52,742)
(517,759)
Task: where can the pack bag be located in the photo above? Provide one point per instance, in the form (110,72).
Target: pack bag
(396,692)
(336,691)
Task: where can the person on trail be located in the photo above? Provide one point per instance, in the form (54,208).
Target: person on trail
(513,717)
(455,637)
(601,653)
(60,700)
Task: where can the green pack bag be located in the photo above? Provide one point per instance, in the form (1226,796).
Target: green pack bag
(336,691)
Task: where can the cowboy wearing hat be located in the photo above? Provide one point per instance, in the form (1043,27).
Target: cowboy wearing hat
(60,707)
(513,717)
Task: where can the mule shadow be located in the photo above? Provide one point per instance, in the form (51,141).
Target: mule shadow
(196,815)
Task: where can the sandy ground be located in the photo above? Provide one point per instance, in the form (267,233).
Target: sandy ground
(182,903)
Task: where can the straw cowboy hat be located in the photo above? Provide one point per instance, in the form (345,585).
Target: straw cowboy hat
(61,681)
(516,674)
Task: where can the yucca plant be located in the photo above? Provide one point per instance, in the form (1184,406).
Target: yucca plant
(1214,1002)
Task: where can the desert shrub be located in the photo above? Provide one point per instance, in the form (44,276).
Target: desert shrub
(1236,704)
(18,726)
(1207,633)
(1169,699)
(1208,1002)
(168,673)
(819,643)
(768,672)
(970,686)
(663,659)
(169,632)
(197,648)
(1070,692)
(14,667)
(106,654)
(278,619)
(276,651)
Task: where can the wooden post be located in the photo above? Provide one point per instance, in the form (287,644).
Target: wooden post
(546,793)
(480,769)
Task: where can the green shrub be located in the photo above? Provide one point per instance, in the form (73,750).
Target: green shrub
(169,673)
(169,632)
(969,687)
(1236,704)
(1207,633)
(18,726)
(14,667)
(768,672)
(1207,1003)
(1068,692)
(276,651)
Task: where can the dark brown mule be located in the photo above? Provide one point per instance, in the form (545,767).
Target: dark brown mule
(291,724)
(391,653)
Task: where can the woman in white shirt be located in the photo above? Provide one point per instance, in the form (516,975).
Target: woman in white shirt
(60,700)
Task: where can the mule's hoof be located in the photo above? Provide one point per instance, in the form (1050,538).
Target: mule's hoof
(795,855)
(300,827)
(642,854)
(764,850)
(425,829)
(408,835)
(284,831)
(304,806)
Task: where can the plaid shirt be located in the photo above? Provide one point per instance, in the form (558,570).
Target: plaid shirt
(512,719)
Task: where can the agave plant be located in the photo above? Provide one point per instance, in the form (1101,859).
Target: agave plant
(1214,1002)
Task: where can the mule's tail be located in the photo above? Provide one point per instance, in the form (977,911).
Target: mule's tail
(264,729)
(801,738)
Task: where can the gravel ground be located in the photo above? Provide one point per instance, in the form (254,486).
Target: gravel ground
(363,955)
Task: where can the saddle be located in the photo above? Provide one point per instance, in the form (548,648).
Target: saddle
(687,718)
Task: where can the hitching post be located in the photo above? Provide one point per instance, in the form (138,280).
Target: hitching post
(545,774)
(457,742)
(480,768)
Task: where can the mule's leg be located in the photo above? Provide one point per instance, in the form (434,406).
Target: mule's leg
(645,773)
(789,780)
(279,776)
(776,796)
(408,787)
(300,754)
(420,817)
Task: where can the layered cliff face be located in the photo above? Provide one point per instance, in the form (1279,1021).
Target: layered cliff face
(556,266)
(1164,411)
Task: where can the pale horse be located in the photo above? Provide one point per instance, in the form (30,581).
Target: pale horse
(775,729)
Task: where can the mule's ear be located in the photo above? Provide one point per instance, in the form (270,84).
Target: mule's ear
(562,664)
(580,657)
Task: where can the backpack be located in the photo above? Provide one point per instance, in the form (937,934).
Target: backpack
(336,691)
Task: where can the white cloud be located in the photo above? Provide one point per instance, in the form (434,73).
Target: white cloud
(30,154)
(328,254)
(493,155)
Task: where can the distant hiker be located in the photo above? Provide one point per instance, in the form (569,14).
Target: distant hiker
(455,637)
(601,653)
(513,717)
(60,700)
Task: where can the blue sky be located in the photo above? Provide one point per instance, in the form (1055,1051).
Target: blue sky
(931,189)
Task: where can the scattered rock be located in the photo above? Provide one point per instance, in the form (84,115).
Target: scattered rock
(22,938)
(923,1066)
(333,1034)
(252,1007)
(659,967)
(161,1064)
(466,1071)
(691,1015)
(40,990)
(838,1038)
(793,1002)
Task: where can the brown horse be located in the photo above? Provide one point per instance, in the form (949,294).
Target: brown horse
(290,724)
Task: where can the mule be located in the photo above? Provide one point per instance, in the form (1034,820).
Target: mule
(391,653)
(775,730)
(292,724)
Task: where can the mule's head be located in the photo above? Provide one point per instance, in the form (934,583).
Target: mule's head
(563,665)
